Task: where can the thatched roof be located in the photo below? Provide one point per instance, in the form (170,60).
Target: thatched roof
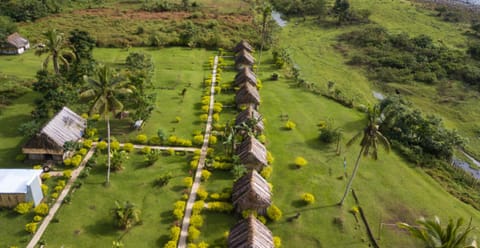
(247,94)
(245,75)
(244,58)
(250,233)
(250,114)
(17,41)
(63,127)
(243,45)
(251,191)
(252,153)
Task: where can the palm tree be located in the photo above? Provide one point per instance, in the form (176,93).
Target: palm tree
(55,47)
(104,90)
(434,235)
(369,143)
(266,15)
(126,215)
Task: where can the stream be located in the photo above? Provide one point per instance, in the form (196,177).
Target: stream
(466,166)
(277,17)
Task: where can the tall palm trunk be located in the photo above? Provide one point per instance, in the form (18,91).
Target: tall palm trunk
(55,63)
(108,148)
(354,173)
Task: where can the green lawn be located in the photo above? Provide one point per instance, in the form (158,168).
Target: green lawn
(86,221)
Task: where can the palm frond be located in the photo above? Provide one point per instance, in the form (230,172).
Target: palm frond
(88,94)
(383,141)
(354,138)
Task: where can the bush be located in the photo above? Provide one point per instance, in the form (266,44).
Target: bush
(216,117)
(274,213)
(202,244)
(128,147)
(219,206)
(162,180)
(23,208)
(115,145)
(178,213)
(290,125)
(198,139)
(87,143)
(67,174)
(204,117)
(146,150)
(44,189)
(198,206)
(82,152)
(262,219)
(270,158)
(141,139)
(262,138)
(196,220)
(45,176)
(300,162)
(171,244)
(212,140)
(102,145)
(188,182)
(202,194)
(172,139)
(178,119)
(31,227)
(193,233)
(308,198)
(54,195)
(67,162)
(76,160)
(175,233)
(37,218)
(266,172)
(41,209)
(277,242)
(205,174)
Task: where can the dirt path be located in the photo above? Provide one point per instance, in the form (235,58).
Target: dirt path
(182,243)
(59,201)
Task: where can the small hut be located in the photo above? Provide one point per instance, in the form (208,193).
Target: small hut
(14,44)
(251,117)
(247,95)
(245,75)
(243,45)
(244,59)
(252,154)
(250,233)
(251,192)
(20,185)
(48,144)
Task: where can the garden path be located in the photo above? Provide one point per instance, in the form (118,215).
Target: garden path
(58,203)
(182,243)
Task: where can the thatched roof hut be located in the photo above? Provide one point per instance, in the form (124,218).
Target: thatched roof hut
(252,153)
(244,58)
(14,44)
(250,233)
(251,192)
(48,144)
(245,75)
(247,95)
(250,115)
(243,45)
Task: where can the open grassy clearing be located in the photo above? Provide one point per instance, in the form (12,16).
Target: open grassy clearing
(133,184)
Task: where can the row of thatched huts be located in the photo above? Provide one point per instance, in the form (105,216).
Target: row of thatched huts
(251,191)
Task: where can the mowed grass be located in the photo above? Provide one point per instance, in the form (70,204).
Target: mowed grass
(24,66)
(87,221)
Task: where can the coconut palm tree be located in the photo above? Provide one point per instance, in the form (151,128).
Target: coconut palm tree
(55,47)
(266,10)
(126,215)
(104,89)
(434,235)
(371,137)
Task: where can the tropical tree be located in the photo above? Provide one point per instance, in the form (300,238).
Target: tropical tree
(266,16)
(104,89)
(434,235)
(371,137)
(55,47)
(125,215)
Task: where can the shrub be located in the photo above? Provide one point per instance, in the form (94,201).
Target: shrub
(248,212)
(37,218)
(61,183)
(87,143)
(45,176)
(170,151)
(198,139)
(54,195)
(172,139)
(141,139)
(206,175)
(188,182)
(82,151)
(212,140)
(31,227)
(217,107)
(266,172)
(162,180)
(262,219)
(58,188)
(216,117)
(202,194)
(102,145)
(270,158)
(37,167)
(308,198)
(76,160)
(202,244)
(44,189)
(152,157)
(178,119)
(205,108)
(41,209)
(178,213)
(198,206)
(274,213)
(290,125)
(300,162)
(204,117)
(219,206)
(193,233)
(128,147)
(175,233)
(146,150)
(171,244)
(23,208)
(262,138)
(115,145)
(215,196)
(277,242)
(194,164)
(67,162)
(196,220)
(67,174)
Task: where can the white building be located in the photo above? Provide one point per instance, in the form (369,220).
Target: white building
(20,185)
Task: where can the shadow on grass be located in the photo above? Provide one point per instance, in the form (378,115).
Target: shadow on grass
(11,123)
(102,227)
(298,203)
(167,217)
(162,240)
(353,125)
(286,214)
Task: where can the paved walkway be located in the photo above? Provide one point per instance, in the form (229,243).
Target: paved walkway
(175,148)
(59,201)
(182,243)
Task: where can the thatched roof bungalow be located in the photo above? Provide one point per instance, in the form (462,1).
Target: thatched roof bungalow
(247,95)
(250,233)
(252,153)
(48,143)
(14,44)
(250,115)
(245,75)
(244,59)
(20,185)
(251,192)
(243,45)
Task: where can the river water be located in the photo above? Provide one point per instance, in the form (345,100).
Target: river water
(473,170)
(277,17)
